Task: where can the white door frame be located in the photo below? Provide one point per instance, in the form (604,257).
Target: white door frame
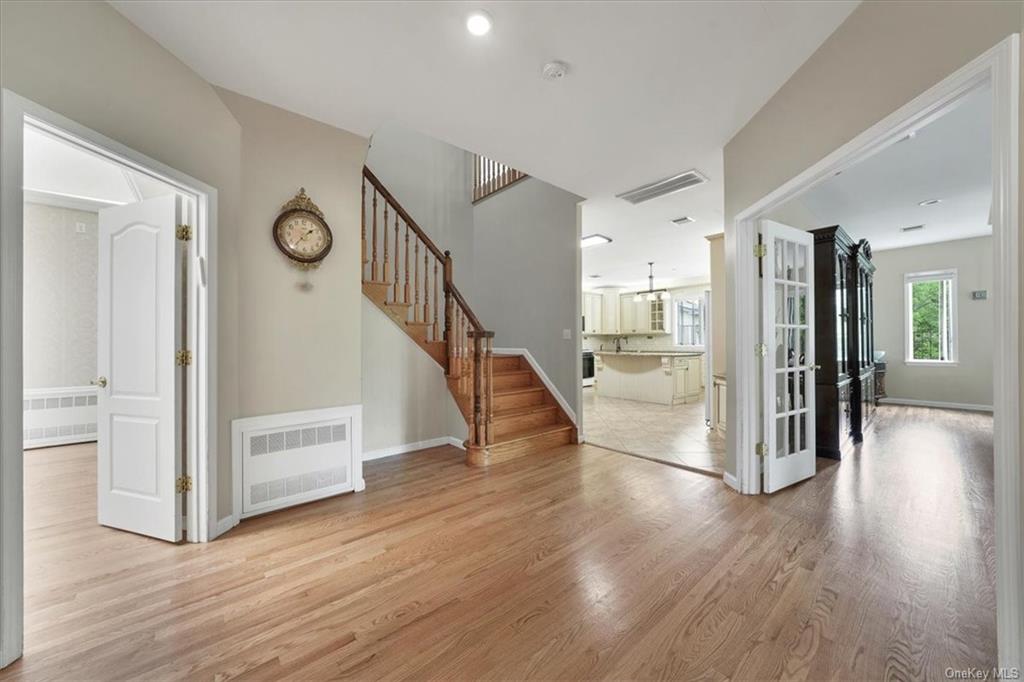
(202,301)
(1000,67)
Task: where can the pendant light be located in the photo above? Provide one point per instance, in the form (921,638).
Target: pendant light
(651,294)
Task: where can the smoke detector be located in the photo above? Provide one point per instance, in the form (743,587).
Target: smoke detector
(554,71)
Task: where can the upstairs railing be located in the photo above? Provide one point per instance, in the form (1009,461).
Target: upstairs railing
(391,245)
(489,176)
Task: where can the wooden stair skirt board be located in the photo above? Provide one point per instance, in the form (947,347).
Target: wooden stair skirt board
(410,279)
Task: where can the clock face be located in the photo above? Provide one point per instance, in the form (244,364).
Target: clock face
(302,236)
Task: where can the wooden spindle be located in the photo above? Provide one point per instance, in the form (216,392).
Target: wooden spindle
(362,213)
(426,285)
(436,327)
(478,433)
(387,264)
(416,281)
(375,267)
(449,312)
(397,264)
(406,300)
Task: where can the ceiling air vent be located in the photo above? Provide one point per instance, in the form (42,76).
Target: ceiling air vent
(685,220)
(690,178)
(911,228)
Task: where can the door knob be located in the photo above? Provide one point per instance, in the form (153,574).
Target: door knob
(100,381)
(815,368)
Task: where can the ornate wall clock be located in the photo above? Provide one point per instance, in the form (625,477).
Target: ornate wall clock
(301,233)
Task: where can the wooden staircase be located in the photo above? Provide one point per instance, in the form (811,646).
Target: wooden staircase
(509,410)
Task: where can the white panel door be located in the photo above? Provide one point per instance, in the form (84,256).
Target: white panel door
(137,420)
(787,316)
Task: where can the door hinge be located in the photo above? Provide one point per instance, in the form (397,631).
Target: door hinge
(183,358)
(184,233)
(760,250)
(761,350)
(761,449)
(183,484)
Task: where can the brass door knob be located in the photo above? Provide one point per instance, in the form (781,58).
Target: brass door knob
(99,381)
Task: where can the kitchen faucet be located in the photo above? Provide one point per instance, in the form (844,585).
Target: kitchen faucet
(618,343)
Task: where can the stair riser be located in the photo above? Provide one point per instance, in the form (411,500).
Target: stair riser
(524,421)
(502,453)
(512,380)
(507,402)
(506,364)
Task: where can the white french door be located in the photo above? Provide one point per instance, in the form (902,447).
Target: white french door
(137,422)
(787,318)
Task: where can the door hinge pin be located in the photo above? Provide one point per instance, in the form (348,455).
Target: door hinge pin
(183,484)
(760,250)
(761,449)
(761,350)
(183,358)
(184,233)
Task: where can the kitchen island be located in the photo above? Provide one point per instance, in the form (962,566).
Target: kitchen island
(663,377)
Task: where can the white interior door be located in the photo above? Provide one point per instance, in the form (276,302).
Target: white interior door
(787,316)
(137,421)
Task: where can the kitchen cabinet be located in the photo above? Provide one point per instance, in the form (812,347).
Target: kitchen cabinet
(686,375)
(610,312)
(593,307)
(668,378)
(643,316)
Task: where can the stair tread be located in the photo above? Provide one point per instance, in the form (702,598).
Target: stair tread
(399,304)
(521,411)
(416,323)
(373,281)
(531,432)
(517,389)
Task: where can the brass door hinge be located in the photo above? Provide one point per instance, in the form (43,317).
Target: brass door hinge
(761,449)
(184,233)
(183,358)
(761,350)
(183,484)
(760,250)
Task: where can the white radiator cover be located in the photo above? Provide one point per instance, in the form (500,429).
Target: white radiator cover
(59,416)
(296,457)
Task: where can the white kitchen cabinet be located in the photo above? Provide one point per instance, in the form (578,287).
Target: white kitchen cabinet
(686,379)
(610,312)
(643,316)
(593,306)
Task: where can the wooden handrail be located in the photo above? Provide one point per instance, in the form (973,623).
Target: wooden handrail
(406,218)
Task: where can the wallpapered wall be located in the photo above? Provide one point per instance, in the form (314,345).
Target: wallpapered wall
(60,296)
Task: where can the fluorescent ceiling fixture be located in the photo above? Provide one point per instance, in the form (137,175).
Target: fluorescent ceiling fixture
(929,202)
(594,240)
(479,23)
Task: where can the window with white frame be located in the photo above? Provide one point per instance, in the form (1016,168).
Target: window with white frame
(689,327)
(931,317)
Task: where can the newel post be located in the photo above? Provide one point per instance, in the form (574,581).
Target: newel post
(479,435)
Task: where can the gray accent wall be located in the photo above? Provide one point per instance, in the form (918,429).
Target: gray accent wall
(526,250)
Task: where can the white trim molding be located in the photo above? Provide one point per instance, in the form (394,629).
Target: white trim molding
(912,402)
(911,278)
(999,67)
(548,384)
(413,447)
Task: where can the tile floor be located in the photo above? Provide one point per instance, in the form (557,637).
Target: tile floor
(675,434)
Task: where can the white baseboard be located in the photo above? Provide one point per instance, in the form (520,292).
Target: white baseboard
(224,525)
(412,447)
(550,385)
(933,403)
(730,481)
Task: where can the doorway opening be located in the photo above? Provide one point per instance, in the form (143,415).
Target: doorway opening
(107,327)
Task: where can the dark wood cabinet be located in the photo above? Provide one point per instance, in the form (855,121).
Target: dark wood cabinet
(844,340)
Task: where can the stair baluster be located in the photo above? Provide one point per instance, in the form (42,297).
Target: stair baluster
(362,213)
(396,258)
(387,264)
(436,329)
(416,281)
(375,267)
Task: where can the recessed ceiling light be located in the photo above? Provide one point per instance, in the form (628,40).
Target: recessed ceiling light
(594,240)
(479,23)
(911,228)
(929,202)
(683,221)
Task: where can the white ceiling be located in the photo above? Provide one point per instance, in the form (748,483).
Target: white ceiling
(654,88)
(63,174)
(950,159)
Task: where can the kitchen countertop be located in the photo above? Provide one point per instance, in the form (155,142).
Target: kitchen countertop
(652,353)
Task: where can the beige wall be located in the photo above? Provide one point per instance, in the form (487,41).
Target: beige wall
(880,58)
(60,296)
(130,89)
(298,349)
(970,381)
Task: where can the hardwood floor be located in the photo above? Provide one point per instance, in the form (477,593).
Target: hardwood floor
(580,563)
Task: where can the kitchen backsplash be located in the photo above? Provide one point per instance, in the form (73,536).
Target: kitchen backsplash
(653,342)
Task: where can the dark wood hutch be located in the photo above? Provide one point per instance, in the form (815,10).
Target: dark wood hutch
(844,340)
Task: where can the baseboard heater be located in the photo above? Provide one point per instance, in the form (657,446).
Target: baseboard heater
(58,416)
(297,457)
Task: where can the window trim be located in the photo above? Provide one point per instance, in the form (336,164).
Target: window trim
(676,339)
(911,278)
